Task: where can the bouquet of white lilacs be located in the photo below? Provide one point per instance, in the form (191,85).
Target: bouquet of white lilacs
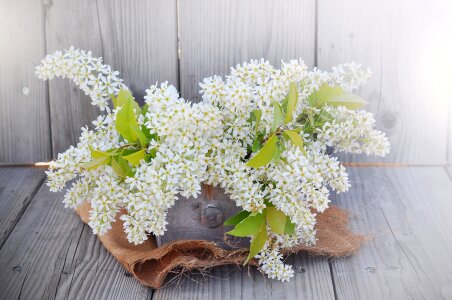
(262,134)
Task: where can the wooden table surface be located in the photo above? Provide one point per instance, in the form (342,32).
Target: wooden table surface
(46,252)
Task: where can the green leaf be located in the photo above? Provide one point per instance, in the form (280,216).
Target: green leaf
(144,109)
(249,226)
(282,146)
(276,219)
(257,142)
(147,133)
(118,169)
(140,135)
(236,219)
(153,152)
(128,151)
(256,145)
(100,154)
(350,101)
(268,203)
(124,164)
(284,103)
(130,173)
(278,152)
(124,96)
(95,163)
(265,155)
(325,92)
(292,102)
(256,116)
(125,120)
(277,115)
(289,227)
(257,243)
(135,158)
(296,139)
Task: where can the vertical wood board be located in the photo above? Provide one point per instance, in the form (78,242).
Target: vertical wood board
(138,38)
(215,35)
(24,118)
(407,44)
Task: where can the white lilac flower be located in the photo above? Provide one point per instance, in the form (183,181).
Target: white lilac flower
(271,263)
(353,132)
(94,78)
(209,142)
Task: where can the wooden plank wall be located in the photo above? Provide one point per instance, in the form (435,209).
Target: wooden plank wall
(139,39)
(405,43)
(215,35)
(24,111)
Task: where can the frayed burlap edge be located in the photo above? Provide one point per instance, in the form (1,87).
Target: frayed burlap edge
(151,264)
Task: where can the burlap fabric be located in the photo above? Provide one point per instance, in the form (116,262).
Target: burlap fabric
(151,264)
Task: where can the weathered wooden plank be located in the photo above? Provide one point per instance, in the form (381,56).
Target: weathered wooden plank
(92,273)
(407,45)
(215,35)
(312,281)
(17,188)
(50,253)
(137,38)
(406,213)
(24,119)
(70,23)
(140,39)
(203,219)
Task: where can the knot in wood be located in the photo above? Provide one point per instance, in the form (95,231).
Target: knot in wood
(212,215)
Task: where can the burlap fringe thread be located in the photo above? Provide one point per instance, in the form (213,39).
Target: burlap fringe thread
(151,264)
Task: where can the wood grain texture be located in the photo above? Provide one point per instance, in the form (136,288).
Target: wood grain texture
(137,38)
(17,188)
(70,23)
(92,273)
(215,35)
(406,213)
(52,254)
(407,45)
(312,281)
(203,219)
(24,119)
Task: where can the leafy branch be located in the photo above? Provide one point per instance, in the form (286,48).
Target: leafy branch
(123,158)
(255,225)
(270,149)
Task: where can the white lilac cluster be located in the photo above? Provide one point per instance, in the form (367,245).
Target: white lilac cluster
(301,185)
(271,263)
(185,133)
(209,142)
(352,132)
(97,80)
